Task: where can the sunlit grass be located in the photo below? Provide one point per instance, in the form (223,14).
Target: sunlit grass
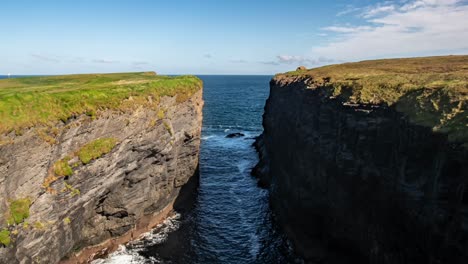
(96,149)
(5,237)
(431,91)
(26,102)
(19,210)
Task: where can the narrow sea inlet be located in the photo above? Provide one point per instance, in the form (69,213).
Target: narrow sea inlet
(230,221)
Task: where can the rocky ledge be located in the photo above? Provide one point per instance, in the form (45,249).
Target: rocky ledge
(125,153)
(369,161)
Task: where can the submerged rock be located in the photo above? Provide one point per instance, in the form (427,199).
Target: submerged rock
(235,135)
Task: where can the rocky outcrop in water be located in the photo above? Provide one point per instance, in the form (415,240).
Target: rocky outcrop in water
(105,180)
(360,179)
(235,135)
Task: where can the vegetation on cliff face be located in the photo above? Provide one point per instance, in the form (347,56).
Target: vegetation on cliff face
(26,102)
(62,168)
(19,210)
(5,237)
(431,91)
(95,149)
(87,153)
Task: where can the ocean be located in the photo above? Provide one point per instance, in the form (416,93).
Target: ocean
(230,220)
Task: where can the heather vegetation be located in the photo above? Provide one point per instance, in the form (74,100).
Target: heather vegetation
(431,91)
(30,101)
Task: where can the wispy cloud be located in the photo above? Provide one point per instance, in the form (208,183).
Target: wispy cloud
(349,10)
(47,58)
(399,28)
(274,63)
(140,63)
(347,29)
(297,60)
(207,56)
(378,10)
(238,61)
(105,61)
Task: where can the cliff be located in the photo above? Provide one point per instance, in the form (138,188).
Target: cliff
(369,160)
(91,161)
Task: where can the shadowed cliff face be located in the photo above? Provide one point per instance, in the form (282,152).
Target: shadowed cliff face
(119,194)
(361,181)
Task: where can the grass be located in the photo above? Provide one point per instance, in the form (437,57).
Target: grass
(30,101)
(5,237)
(168,128)
(73,191)
(95,149)
(62,168)
(39,225)
(87,153)
(431,91)
(161,114)
(19,210)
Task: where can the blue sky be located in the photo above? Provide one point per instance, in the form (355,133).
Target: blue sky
(221,37)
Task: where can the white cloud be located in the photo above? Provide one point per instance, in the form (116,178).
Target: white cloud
(297,60)
(348,10)
(105,61)
(347,29)
(374,11)
(423,3)
(414,27)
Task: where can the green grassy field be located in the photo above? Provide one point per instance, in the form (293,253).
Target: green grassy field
(431,91)
(31,101)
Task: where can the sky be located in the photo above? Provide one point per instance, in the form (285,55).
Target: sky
(221,36)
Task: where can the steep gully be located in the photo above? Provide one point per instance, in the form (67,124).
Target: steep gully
(230,220)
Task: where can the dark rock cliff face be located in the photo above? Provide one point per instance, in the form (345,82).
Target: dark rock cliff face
(120,194)
(361,181)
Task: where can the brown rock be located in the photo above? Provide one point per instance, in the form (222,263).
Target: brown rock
(142,175)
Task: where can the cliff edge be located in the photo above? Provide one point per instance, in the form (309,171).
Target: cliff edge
(88,162)
(369,160)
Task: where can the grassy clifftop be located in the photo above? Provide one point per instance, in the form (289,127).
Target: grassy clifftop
(26,102)
(431,91)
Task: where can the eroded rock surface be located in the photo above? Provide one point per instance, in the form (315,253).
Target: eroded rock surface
(113,195)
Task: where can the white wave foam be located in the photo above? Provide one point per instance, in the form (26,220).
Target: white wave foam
(207,137)
(243,165)
(122,256)
(130,254)
(254,244)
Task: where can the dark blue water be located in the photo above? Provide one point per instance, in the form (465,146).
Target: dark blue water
(230,221)
(13,76)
